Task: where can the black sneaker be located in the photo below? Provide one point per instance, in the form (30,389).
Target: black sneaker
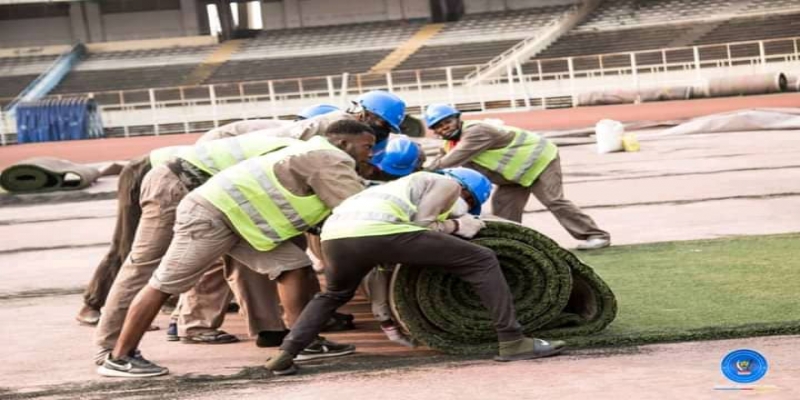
(322,348)
(134,366)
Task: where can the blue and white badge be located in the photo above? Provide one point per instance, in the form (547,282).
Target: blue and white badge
(744,366)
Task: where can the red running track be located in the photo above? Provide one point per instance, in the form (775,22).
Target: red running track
(99,150)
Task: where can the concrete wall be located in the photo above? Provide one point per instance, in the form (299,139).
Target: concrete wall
(300,13)
(86,24)
(35,32)
(143,25)
(304,13)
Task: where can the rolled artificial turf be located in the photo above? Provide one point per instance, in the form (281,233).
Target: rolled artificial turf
(555,295)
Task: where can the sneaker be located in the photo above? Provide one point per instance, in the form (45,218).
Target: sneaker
(172,332)
(210,337)
(271,338)
(529,349)
(134,366)
(322,348)
(281,364)
(396,335)
(594,244)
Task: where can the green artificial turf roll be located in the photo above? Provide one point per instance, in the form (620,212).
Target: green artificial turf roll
(47,174)
(555,295)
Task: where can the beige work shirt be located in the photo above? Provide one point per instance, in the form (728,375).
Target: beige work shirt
(475,139)
(241,127)
(329,174)
(435,194)
(308,128)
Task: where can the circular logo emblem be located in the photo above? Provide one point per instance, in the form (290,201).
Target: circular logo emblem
(744,366)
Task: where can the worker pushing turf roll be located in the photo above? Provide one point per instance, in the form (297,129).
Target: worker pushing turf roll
(251,212)
(412,221)
(519,162)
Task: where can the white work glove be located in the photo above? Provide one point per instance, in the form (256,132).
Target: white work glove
(460,208)
(469,226)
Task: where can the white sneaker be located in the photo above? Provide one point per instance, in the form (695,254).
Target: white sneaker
(395,335)
(594,244)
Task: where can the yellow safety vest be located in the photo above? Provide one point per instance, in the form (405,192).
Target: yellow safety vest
(162,155)
(263,211)
(379,210)
(522,161)
(216,155)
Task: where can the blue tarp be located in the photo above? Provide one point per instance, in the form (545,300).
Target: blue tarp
(58,119)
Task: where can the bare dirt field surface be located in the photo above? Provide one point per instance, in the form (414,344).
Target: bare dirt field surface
(676,188)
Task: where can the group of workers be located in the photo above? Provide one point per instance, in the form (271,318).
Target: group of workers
(235,210)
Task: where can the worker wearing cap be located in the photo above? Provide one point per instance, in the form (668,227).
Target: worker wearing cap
(250,212)
(411,221)
(519,162)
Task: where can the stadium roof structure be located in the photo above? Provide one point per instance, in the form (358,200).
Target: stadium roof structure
(12,2)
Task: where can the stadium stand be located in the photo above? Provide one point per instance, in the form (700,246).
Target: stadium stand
(617,26)
(497,26)
(10,86)
(296,67)
(145,58)
(327,40)
(763,27)
(25,65)
(123,79)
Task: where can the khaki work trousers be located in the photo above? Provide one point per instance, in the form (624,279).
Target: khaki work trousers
(161,193)
(202,309)
(128,214)
(508,201)
(208,303)
(203,235)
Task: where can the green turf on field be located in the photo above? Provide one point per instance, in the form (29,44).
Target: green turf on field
(708,289)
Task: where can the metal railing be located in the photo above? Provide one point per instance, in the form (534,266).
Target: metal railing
(541,83)
(504,56)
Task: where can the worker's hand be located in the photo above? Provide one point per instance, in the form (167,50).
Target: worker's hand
(469,226)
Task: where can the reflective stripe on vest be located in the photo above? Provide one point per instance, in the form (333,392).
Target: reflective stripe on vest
(215,155)
(379,210)
(258,206)
(164,154)
(521,161)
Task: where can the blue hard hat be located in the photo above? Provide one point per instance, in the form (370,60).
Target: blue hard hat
(435,113)
(315,110)
(378,151)
(400,157)
(388,106)
(475,182)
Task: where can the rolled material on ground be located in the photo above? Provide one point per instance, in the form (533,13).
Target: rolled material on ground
(741,85)
(747,85)
(47,174)
(555,295)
